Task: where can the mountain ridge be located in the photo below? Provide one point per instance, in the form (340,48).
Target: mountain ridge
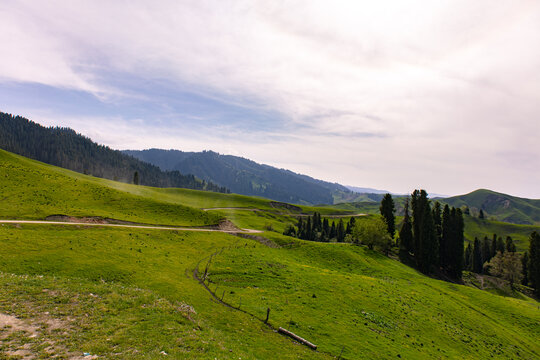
(66,148)
(245,176)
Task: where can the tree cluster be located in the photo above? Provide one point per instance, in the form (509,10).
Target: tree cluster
(65,148)
(499,258)
(481,252)
(433,237)
(314,228)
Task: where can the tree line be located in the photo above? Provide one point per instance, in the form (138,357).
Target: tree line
(430,237)
(314,228)
(500,258)
(65,148)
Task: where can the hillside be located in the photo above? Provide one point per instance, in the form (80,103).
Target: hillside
(65,148)
(247,177)
(501,207)
(134,293)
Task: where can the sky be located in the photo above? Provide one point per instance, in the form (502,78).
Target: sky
(396,95)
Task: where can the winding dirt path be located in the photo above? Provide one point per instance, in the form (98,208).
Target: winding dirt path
(231,208)
(43,222)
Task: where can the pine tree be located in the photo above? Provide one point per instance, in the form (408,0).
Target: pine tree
(326,230)
(340,231)
(510,246)
(387,210)
(445,239)
(493,246)
(436,213)
(468,257)
(309,229)
(525,267)
(455,267)
(352,222)
(427,253)
(333,230)
(418,205)
(534,261)
(481,214)
(405,234)
(301,232)
(500,245)
(136,178)
(486,250)
(477,264)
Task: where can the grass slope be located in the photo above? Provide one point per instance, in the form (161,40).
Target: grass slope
(520,234)
(500,206)
(33,190)
(131,291)
(343,297)
(154,270)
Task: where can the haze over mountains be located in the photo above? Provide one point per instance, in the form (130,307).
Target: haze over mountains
(209,170)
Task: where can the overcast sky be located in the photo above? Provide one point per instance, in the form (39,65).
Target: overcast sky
(397,95)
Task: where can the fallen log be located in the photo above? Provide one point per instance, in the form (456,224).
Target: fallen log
(297,338)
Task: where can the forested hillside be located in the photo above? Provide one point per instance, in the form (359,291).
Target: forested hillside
(65,148)
(246,177)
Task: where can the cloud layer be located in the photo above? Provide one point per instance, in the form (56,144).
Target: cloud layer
(442,94)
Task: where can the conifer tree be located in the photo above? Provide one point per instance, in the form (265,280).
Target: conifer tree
(534,261)
(333,230)
(455,267)
(418,206)
(309,229)
(387,210)
(352,222)
(445,239)
(427,252)
(468,257)
(500,245)
(436,213)
(481,214)
(493,245)
(301,232)
(340,231)
(405,234)
(525,267)
(477,264)
(510,246)
(136,178)
(486,250)
(326,229)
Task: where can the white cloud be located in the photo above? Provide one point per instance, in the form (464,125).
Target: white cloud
(446,86)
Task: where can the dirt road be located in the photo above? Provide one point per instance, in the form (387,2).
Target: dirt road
(43,222)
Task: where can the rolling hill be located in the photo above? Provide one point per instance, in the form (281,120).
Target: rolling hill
(501,207)
(247,177)
(65,148)
(147,294)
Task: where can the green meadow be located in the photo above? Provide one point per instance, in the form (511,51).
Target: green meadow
(131,293)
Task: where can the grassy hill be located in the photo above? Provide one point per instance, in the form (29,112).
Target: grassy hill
(501,207)
(65,148)
(131,293)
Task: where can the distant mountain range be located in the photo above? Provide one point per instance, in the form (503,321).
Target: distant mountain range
(65,148)
(247,177)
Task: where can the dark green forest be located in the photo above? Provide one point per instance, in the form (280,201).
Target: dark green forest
(244,176)
(65,148)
